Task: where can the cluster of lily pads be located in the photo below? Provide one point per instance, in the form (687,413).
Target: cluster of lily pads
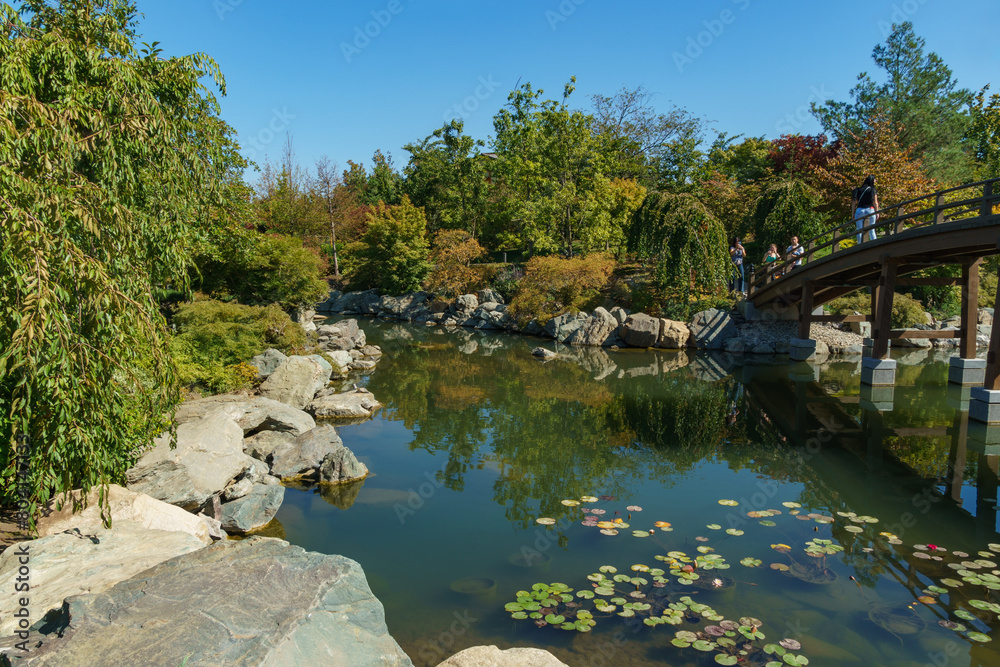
(555,604)
(732,642)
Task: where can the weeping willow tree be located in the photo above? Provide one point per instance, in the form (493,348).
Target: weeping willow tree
(786,208)
(106,156)
(686,242)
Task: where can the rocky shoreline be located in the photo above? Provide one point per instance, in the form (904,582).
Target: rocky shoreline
(730,331)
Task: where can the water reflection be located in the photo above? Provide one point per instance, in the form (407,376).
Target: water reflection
(478,439)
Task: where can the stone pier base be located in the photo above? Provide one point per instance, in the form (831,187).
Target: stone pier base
(966,372)
(878,372)
(878,398)
(984,405)
(801,349)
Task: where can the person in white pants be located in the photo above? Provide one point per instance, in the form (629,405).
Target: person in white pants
(864,203)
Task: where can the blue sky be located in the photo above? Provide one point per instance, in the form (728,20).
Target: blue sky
(347,77)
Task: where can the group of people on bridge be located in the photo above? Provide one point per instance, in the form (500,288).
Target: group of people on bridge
(864,203)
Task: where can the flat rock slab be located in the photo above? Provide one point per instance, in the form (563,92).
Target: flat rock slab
(80,562)
(349,405)
(491,656)
(251,413)
(253,602)
(310,452)
(123,505)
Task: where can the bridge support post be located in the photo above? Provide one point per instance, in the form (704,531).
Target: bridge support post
(805,309)
(883,312)
(966,372)
(801,349)
(984,406)
(877,372)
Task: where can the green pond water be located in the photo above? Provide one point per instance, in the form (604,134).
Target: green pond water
(478,440)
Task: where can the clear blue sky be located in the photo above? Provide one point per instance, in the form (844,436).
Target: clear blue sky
(747,66)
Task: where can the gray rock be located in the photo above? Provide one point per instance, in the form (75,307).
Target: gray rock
(250,413)
(304,455)
(489,295)
(781,347)
(912,342)
(296,381)
(597,331)
(561,327)
(238,489)
(267,361)
(533,328)
(261,445)
(673,335)
(331,335)
(341,466)
(543,353)
(710,329)
(640,330)
(324,364)
(822,349)
(81,562)
(252,510)
(762,348)
(735,345)
(371,351)
(466,304)
(362,365)
(209,454)
(349,405)
(986,316)
(491,656)
(328,305)
(304,318)
(303,608)
(620,314)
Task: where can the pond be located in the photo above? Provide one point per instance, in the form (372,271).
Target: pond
(750,499)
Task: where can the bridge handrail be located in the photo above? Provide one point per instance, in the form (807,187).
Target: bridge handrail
(982,205)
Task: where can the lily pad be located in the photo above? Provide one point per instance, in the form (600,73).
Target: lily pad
(780,567)
(724,659)
(570,502)
(609,531)
(853,529)
(791,644)
(662,524)
(588,499)
(545,521)
(640,533)
(634,508)
(979,637)
(714,526)
(728,503)
(734,531)
(767,523)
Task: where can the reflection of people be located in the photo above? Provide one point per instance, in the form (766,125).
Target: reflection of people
(864,203)
(734,402)
(795,250)
(737,253)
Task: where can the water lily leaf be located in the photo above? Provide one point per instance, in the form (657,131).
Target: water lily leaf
(597,510)
(703,645)
(789,503)
(618,600)
(783,548)
(965,615)
(609,531)
(610,569)
(513,606)
(952,625)
(951,583)
(790,644)
(714,526)
(774,649)
(588,499)
(768,523)
(640,533)
(795,660)
(662,524)
(978,637)
(705,550)
(639,567)
(734,531)
(626,613)
(780,567)
(620,524)
(634,508)
(586,595)
(750,562)
(570,502)
(853,529)
(680,643)
(728,503)
(604,590)
(545,521)
(937,589)
(553,619)
(751,621)
(519,615)
(724,659)
(927,599)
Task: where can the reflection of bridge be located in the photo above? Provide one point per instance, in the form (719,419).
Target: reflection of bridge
(844,460)
(952,227)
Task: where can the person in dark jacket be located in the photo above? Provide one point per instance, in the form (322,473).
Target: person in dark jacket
(864,203)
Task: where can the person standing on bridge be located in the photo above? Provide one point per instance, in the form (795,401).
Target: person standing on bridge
(737,253)
(864,203)
(794,251)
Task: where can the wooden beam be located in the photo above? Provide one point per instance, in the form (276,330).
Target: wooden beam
(882,316)
(992,374)
(805,309)
(925,333)
(970,309)
(934,281)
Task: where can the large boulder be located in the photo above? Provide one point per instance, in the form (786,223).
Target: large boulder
(489,295)
(491,656)
(252,414)
(296,381)
(258,601)
(466,304)
(341,466)
(673,335)
(304,455)
(561,327)
(640,330)
(253,510)
(81,562)
(349,405)
(209,454)
(599,330)
(261,445)
(267,361)
(710,329)
(331,301)
(122,505)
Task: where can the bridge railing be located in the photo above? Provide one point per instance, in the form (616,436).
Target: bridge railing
(965,202)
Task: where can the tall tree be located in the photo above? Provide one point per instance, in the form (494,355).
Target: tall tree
(919,97)
(107,153)
(327,187)
(983,136)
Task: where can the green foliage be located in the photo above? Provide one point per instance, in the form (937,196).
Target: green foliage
(392,254)
(906,311)
(685,240)
(786,208)
(258,269)
(944,300)
(214,340)
(552,286)
(107,153)
(983,136)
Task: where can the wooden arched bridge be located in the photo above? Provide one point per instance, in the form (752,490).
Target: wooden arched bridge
(959,226)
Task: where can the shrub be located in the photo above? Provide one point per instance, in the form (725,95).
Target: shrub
(552,285)
(507,279)
(906,311)
(257,269)
(451,254)
(392,254)
(215,339)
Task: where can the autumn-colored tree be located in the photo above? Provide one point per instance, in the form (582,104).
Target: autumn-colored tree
(898,175)
(552,285)
(802,155)
(452,253)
